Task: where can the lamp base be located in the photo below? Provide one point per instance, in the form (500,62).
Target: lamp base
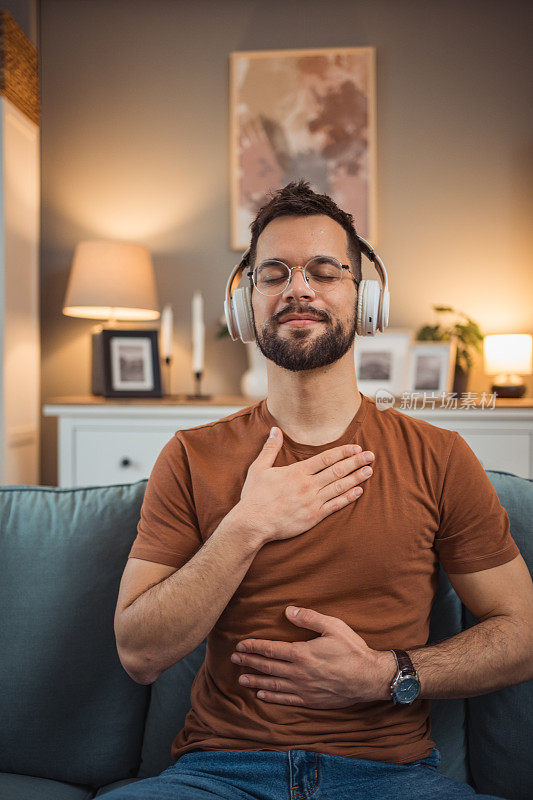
(97,363)
(508,390)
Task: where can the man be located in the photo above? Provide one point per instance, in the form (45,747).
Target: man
(344,512)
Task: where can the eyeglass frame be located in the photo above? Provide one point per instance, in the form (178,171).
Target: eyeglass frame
(250,272)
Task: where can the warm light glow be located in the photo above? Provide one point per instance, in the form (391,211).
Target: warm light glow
(508,353)
(108,312)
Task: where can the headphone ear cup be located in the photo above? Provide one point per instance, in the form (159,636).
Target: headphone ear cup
(229,321)
(367,307)
(385,310)
(241,300)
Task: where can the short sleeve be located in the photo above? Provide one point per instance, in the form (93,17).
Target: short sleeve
(474,530)
(168,530)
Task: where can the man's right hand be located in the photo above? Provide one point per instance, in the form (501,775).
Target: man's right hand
(282,502)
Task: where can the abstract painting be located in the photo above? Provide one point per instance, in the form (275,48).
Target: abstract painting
(303,114)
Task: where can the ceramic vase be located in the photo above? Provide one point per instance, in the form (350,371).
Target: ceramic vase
(254,384)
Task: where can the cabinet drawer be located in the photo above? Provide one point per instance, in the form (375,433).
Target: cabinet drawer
(103,456)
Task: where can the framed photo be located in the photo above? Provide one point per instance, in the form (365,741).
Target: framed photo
(131,363)
(381,361)
(307,114)
(431,367)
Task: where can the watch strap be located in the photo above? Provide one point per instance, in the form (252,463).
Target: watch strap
(404,662)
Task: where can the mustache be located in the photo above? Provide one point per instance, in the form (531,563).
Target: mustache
(321,315)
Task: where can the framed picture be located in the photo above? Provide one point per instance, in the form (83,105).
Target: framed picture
(381,361)
(131,363)
(431,367)
(303,114)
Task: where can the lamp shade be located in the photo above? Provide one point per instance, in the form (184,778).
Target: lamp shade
(507,354)
(110,279)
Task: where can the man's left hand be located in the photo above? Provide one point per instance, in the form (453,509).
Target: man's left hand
(334,670)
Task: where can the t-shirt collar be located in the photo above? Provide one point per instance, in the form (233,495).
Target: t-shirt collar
(307,449)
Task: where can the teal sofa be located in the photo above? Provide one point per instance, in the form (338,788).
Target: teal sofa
(74,725)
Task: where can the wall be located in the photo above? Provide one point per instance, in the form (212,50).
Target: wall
(135,144)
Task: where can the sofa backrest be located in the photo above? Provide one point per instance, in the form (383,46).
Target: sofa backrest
(500,724)
(69,711)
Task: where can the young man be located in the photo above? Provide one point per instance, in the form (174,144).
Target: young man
(344,512)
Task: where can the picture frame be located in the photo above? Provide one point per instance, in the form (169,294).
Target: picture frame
(431,367)
(382,361)
(131,363)
(307,113)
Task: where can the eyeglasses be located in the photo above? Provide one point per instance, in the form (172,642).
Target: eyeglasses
(321,273)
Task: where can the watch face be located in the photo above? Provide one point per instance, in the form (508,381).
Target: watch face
(407,690)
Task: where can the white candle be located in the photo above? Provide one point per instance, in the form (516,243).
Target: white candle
(198,332)
(166,332)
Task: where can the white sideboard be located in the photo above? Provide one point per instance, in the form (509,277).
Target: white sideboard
(102,442)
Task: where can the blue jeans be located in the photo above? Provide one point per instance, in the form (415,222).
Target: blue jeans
(295,775)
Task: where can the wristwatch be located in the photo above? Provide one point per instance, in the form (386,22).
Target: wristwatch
(405,687)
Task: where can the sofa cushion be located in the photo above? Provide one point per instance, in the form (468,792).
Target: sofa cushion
(448,717)
(69,711)
(169,703)
(500,723)
(24,787)
(116,785)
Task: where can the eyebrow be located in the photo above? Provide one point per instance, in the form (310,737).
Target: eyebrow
(316,255)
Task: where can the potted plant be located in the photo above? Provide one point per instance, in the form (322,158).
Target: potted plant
(466,335)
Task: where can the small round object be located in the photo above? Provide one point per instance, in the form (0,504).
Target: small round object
(125,462)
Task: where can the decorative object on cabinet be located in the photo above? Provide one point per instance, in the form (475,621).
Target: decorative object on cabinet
(110,280)
(131,363)
(329,136)
(431,367)
(381,361)
(507,356)
(254,382)
(166,330)
(198,345)
(222,330)
(468,339)
(20,351)
(101,442)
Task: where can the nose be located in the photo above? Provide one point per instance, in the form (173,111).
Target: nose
(297,286)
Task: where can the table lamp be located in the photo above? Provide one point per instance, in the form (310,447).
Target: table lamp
(507,356)
(113,281)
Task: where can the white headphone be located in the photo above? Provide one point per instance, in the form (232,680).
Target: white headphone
(372,300)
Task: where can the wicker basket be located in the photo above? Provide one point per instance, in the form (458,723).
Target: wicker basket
(19,78)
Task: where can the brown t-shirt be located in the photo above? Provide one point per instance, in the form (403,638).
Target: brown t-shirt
(373,564)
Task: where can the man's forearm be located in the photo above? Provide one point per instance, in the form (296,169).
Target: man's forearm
(169,620)
(495,653)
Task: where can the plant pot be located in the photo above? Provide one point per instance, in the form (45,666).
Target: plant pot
(254,382)
(460,379)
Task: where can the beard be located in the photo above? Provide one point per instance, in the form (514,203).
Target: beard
(301,350)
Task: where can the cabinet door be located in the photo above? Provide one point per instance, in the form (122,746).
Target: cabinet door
(104,456)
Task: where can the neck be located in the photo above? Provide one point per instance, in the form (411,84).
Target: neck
(314,406)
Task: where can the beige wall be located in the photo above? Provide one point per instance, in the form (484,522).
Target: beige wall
(135,142)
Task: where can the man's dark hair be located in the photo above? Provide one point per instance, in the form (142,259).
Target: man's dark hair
(298,199)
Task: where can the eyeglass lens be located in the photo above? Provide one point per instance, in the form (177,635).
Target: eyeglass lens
(322,272)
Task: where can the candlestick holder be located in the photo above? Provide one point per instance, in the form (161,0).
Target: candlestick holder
(167,383)
(198,393)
